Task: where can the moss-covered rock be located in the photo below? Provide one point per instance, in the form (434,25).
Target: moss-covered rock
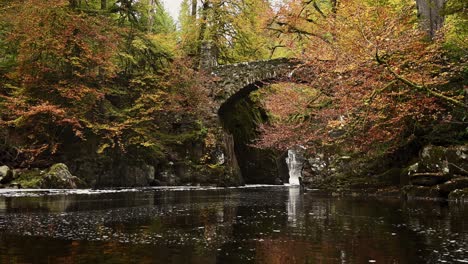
(438,164)
(56,177)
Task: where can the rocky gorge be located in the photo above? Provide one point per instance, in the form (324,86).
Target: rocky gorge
(436,172)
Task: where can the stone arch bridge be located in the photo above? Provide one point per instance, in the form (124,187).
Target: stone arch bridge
(232,83)
(235,81)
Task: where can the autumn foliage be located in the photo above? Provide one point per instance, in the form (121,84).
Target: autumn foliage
(379,81)
(118,77)
(79,76)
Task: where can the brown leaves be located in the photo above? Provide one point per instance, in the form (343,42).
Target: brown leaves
(63,59)
(370,105)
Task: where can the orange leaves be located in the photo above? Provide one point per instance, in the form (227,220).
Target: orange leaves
(45,107)
(77,92)
(64,59)
(369,106)
(54,43)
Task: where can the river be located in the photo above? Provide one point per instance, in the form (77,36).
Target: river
(254,224)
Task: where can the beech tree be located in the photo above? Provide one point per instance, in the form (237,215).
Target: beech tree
(74,75)
(62,63)
(381,81)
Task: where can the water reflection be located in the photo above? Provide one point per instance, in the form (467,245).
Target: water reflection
(267,225)
(294,206)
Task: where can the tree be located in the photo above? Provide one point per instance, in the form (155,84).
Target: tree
(237,29)
(380,83)
(62,63)
(189,29)
(430,12)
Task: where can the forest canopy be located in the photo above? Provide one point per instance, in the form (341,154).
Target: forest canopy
(374,75)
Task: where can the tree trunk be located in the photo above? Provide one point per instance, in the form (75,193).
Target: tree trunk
(103,4)
(194,8)
(204,14)
(430,13)
(74,3)
(153,4)
(334,6)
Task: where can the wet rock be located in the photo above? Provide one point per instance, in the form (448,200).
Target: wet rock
(453,185)
(56,177)
(59,177)
(6,174)
(460,195)
(428,179)
(421,192)
(439,164)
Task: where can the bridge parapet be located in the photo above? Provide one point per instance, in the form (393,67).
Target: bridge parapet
(233,79)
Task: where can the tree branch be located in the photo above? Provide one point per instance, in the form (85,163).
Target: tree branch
(416,86)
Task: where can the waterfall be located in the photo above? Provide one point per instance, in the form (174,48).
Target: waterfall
(294,167)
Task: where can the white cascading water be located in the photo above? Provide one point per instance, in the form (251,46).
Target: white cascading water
(294,167)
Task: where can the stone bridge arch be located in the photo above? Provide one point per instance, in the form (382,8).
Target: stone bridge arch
(234,81)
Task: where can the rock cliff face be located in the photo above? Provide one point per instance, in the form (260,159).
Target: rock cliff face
(438,165)
(440,172)
(257,166)
(437,172)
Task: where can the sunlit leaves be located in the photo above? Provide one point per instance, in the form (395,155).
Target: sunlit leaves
(370,104)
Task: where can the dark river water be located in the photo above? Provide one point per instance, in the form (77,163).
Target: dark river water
(245,225)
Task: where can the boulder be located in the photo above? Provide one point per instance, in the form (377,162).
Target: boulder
(56,177)
(460,195)
(428,179)
(438,164)
(453,185)
(59,177)
(6,175)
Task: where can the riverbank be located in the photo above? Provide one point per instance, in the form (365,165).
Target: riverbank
(437,172)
